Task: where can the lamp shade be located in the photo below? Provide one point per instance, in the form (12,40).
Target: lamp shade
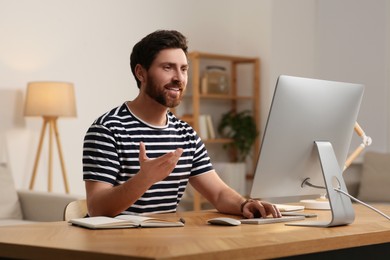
(50,99)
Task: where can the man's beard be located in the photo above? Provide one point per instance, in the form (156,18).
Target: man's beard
(159,95)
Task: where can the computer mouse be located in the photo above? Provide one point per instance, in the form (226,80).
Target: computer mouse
(224,221)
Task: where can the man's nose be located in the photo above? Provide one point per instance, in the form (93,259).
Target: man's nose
(180,76)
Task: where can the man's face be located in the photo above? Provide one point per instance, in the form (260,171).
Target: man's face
(166,78)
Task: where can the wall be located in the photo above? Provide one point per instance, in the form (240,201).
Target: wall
(293,41)
(387,55)
(352,47)
(88,42)
(342,41)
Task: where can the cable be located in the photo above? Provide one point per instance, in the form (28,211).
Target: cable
(361,202)
(306,182)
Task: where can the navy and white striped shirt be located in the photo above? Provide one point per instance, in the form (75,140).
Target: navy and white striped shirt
(111,152)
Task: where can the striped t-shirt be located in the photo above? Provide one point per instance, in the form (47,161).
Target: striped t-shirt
(111,154)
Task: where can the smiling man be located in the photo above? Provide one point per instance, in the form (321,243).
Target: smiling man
(138,158)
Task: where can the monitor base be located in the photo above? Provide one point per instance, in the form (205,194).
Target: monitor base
(340,205)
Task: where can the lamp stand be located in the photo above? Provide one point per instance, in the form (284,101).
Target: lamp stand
(51,122)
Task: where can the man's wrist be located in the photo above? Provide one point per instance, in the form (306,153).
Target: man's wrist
(246,202)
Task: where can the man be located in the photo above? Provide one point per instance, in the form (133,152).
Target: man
(138,157)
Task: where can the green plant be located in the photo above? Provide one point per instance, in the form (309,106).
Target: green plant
(241,127)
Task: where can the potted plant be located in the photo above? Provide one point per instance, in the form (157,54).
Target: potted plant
(241,127)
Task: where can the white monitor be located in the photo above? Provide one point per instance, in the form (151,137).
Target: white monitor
(306,114)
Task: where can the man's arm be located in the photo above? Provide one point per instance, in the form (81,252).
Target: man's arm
(226,200)
(218,193)
(104,199)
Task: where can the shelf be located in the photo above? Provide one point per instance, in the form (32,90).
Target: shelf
(220,96)
(228,97)
(244,81)
(212,56)
(218,141)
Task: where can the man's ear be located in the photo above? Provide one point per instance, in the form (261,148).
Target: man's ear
(140,72)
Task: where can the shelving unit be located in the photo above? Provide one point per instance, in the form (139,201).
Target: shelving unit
(233,99)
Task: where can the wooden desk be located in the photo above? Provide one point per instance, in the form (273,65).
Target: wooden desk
(197,240)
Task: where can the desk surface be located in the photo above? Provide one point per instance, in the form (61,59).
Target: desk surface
(197,240)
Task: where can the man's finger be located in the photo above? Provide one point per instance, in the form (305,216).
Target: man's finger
(170,158)
(142,152)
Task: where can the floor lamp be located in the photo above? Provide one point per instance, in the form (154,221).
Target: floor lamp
(50,100)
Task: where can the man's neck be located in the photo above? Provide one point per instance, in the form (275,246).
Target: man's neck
(148,110)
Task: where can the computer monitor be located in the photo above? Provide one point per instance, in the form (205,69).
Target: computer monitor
(307,137)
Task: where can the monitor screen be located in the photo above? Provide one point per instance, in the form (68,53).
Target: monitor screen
(302,112)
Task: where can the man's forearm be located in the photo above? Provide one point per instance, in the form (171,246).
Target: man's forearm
(112,201)
(229,202)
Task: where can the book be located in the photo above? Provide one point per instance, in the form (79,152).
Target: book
(210,127)
(124,221)
(203,131)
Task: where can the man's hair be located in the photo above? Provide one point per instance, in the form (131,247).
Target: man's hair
(146,50)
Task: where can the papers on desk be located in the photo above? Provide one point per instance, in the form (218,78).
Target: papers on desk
(288,207)
(124,221)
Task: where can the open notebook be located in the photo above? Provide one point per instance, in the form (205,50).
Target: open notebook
(124,221)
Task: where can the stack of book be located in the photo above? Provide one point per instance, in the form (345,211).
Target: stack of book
(206,127)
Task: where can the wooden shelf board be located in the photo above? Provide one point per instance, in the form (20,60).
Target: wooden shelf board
(237,59)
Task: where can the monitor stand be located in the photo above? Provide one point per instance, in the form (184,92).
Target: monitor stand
(340,205)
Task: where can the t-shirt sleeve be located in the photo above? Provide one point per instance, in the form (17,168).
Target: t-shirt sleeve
(202,162)
(100,157)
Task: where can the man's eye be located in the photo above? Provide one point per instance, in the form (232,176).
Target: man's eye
(167,67)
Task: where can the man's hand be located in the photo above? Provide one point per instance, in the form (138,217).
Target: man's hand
(105,199)
(259,209)
(157,169)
